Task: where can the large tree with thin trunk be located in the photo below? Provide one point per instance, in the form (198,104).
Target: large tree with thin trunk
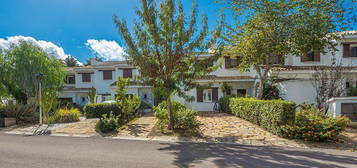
(273,29)
(165,45)
(70,61)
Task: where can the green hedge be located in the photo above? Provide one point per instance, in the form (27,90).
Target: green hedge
(96,110)
(269,114)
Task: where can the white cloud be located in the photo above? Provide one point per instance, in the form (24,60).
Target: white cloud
(49,47)
(108,50)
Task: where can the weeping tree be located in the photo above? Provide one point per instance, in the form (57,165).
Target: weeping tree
(165,46)
(18,68)
(273,29)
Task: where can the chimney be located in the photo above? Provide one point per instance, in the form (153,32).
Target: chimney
(94,61)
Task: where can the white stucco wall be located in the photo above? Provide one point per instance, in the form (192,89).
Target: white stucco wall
(335,104)
(298,91)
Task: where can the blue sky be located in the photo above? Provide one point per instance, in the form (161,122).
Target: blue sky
(69,24)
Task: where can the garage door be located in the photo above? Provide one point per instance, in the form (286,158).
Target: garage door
(349,110)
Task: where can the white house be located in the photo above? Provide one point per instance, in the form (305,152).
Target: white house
(102,76)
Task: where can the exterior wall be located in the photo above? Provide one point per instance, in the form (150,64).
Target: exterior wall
(103,86)
(80,84)
(335,105)
(209,106)
(326,59)
(299,91)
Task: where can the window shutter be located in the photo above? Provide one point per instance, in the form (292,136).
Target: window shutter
(227,62)
(199,95)
(346,50)
(86,77)
(317,56)
(127,73)
(214,94)
(107,75)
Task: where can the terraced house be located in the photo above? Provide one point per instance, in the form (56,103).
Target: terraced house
(296,84)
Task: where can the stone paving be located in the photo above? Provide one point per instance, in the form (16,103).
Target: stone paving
(140,127)
(84,127)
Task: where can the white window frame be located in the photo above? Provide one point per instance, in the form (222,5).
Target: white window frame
(207,95)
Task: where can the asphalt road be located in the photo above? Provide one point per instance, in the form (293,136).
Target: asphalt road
(44,151)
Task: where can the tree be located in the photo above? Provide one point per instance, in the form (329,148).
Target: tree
(165,46)
(274,29)
(19,66)
(127,103)
(91,95)
(328,82)
(70,61)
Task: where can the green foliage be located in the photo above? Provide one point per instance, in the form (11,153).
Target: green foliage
(70,61)
(108,123)
(352,91)
(272,30)
(2,110)
(269,114)
(271,91)
(91,94)
(19,66)
(96,110)
(224,103)
(226,88)
(312,125)
(49,103)
(24,113)
(165,45)
(127,103)
(65,116)
(184,117)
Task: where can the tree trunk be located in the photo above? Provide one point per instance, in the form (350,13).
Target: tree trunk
(261,88)
(171,113)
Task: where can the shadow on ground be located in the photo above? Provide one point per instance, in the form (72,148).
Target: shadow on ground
(231,155)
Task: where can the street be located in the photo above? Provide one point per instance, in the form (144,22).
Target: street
(45,151)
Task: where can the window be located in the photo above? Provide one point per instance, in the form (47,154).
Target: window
(348,85)
(349,50)
(231,62)
(127,73)
(241,92)
(70,79)
(86,77)
(207,95)
(107,75)
(353,51)
(313,56)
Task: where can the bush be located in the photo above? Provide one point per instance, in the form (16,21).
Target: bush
(108,123)
(184,117)
(65,116)
(24,113)
(269,114)
(96,110)
(2,110)
(312,125)
(224,103)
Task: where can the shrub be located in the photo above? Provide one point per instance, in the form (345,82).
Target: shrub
(224,103)
(269,114)
(96,110)
(312,125)
(24,113)
(184,117)
(108,123)
(65,116)
(2,110)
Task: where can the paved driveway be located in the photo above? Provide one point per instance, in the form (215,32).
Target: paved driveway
(45,151)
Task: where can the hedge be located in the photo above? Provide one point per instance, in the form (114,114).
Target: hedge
(269,114)
(96,110)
